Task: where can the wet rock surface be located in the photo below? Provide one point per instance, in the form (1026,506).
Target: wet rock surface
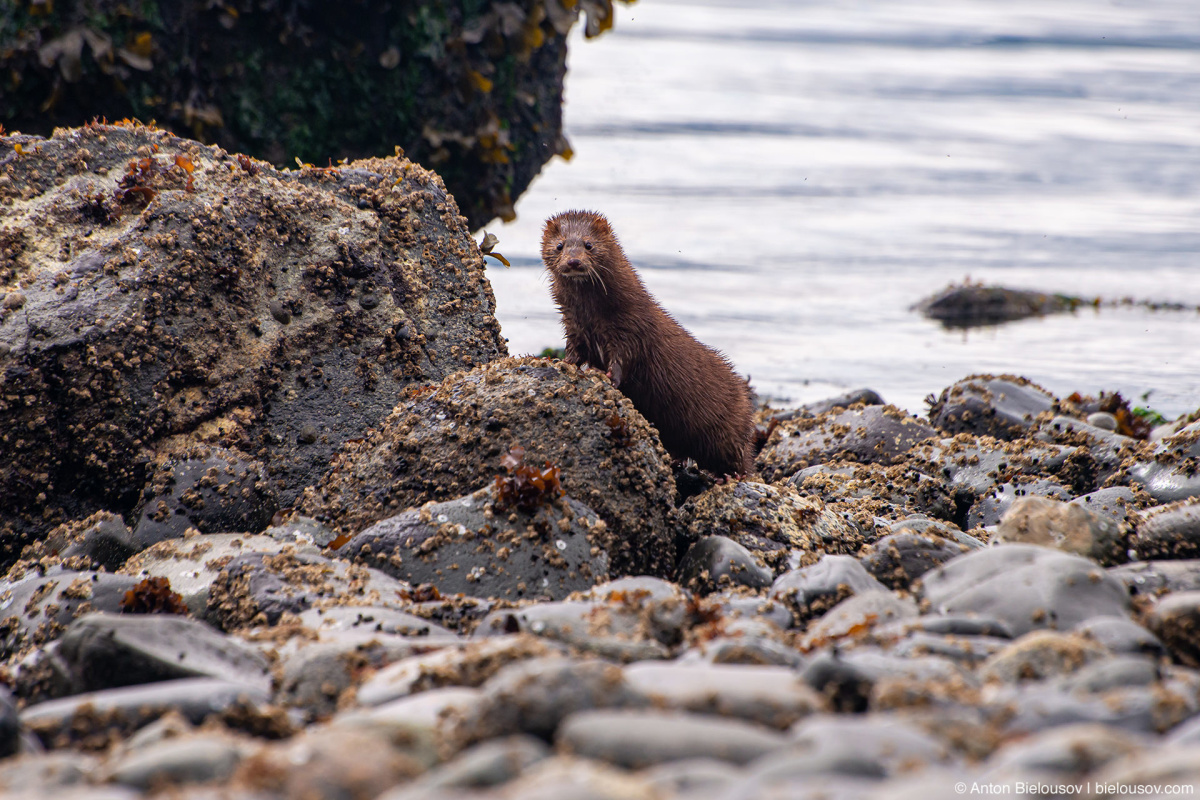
(449,440)
(189,293)
(474,545)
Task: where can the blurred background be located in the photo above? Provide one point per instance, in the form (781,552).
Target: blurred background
(790,177)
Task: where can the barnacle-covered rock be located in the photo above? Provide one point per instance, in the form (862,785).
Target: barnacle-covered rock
(171,291)
(444,441)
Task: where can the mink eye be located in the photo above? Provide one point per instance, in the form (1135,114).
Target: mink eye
(587,245)
(559,248)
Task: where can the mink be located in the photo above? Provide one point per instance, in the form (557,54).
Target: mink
(687,390)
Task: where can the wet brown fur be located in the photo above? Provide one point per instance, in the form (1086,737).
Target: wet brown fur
(685,389)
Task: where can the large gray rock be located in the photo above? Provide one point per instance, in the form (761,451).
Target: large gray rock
(1025,586)
(104,651)
(1003,406)
(474,545)
(454,438)
(278,312)
(874,434)
(37,608)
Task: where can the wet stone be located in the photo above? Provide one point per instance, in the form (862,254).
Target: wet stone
(898,559)
(1169,474)
(423,725)
(465,664)
(314,676)
(301,530)
(472,545)
(534,696)
(106,651)
(865,493)
(36,609)
(1152,578)
(1113,673)
(315,764)
(1169,532)
(1115,502)
(638,739)
(161,348)
(758,651)
(1175,620)
(1066,753)
(258,587)
(1004,407)
(198,758)
(1122,635)
(873,434)
(993,504)
(810,591)
(893,744)
(370,619)
(1107,449)
(441,444)
(693,777)
(1033,707)
(975,465)
(193,564)
(1064,526)
(49,774)
(856,616)
(1039,655)
(103,538)
(1026,587)
(490,763)
(969,651)
(772,696)
(716,561)
(774,523)
(211,489)
(94,714)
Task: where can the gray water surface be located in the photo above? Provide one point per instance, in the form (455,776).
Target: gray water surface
(790,177)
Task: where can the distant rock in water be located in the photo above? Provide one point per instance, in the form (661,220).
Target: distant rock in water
(971,305)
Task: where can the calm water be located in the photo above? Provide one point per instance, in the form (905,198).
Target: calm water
(790,177)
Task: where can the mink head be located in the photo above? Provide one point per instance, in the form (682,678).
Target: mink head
(578,244)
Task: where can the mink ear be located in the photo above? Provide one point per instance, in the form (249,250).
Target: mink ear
(551,228)
(600,223)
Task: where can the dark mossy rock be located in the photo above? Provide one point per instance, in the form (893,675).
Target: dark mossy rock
(474,545)
(972,305)
(274,313)
(442,442)
(1004,406)
(870,434)
(472,90)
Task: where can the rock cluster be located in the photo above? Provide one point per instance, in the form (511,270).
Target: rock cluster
(497,588)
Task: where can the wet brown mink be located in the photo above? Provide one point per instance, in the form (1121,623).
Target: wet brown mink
(685,389)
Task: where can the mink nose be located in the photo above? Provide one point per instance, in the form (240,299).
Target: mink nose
(574,262)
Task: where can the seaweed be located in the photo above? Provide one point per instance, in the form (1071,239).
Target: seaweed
(153,596)
(525,486)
